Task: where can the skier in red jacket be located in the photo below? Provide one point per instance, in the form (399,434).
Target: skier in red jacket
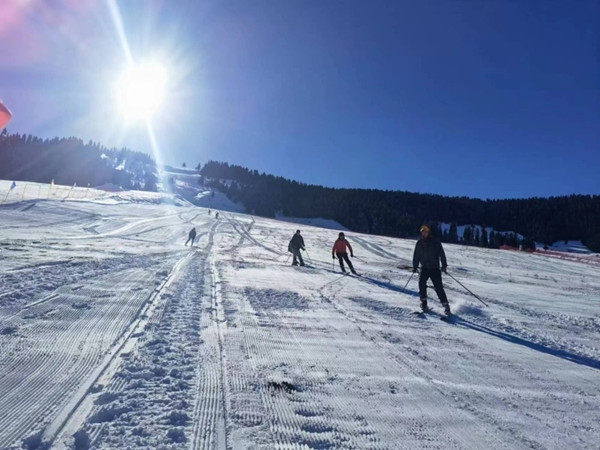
(339,250)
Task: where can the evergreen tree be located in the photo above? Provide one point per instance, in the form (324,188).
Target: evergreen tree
(445,235)
(467,235)
(484,238)
(150,181)
(493,240)
(453,233)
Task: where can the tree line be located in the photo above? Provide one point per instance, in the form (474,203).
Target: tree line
(399,213)
(391,213)
(70,160)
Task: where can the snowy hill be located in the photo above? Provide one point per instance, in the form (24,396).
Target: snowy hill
(116,335)
(186,183)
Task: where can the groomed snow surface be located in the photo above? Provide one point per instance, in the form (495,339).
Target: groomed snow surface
(113,334)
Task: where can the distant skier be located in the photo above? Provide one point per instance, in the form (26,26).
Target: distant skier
(296,244)
(339,250)
(428,252)
(217,215)
(191,237)
(209,212)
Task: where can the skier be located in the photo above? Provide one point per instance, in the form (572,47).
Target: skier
(429,252)
(217,215)
(191,237)
(339,250)
(296,244)
(209,212)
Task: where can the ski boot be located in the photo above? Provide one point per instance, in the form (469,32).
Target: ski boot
(447,309)
(424,306)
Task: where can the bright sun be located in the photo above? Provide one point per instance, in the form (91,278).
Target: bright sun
(141,91)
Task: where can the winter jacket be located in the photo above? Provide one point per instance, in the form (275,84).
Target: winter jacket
(428,252)
(296,242)
(192,233)
(340,245)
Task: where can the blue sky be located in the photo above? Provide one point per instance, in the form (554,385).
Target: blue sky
(488,99)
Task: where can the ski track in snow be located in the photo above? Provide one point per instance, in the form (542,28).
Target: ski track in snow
(114,335)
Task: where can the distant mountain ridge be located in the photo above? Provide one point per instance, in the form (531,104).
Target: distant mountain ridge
(399,213)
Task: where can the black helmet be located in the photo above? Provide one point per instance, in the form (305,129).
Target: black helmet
(297,231)
(341,235)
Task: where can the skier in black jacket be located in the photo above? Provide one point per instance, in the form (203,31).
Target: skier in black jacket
(296,244)
(429,252)
(191,236)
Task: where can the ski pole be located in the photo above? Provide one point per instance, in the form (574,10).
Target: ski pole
(467,289)
(333,263)
(411,275)
(309,258)
(288,258)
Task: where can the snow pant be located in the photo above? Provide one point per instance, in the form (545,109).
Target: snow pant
(344,257)
(436,279)
(297,256)
(191,238)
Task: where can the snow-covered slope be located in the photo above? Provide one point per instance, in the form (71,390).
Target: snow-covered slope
(568,246)
(315,222)
(185,183)
(113,331)
(213,199)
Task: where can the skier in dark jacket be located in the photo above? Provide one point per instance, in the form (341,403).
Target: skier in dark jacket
(429,252)
(296,244)
(191,237)
(339,250)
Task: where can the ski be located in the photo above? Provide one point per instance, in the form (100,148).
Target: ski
(443,317)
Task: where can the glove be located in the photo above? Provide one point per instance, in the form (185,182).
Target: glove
(415,270)
(333,256)
(444,269)
(303,248)
(351,255)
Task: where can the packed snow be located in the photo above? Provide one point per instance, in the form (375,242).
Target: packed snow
(315,222)
(116,335)
(567,246)
(212,199)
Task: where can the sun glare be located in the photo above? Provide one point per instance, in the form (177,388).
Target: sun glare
(141,91)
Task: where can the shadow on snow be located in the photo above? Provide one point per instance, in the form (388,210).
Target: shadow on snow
(398,313)
(579,359)
(390,286)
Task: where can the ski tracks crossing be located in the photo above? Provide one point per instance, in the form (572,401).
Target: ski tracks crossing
(395,331)
(223,354)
